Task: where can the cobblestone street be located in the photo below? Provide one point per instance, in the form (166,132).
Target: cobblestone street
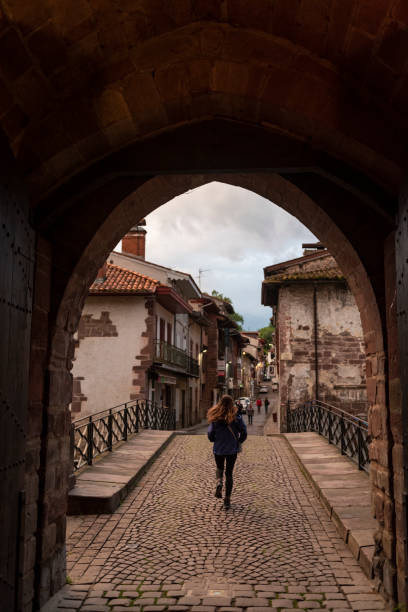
(171,545)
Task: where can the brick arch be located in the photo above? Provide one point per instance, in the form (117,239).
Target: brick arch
(76,92)
(160,189)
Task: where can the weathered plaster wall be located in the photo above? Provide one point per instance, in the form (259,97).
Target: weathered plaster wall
(341,352)
(109,342)
(195,336)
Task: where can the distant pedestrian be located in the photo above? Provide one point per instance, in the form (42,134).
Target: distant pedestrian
(266,404)
(250,413)
(228,431)
(239,407)
(259,404)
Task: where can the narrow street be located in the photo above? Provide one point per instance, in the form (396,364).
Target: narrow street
(172,546)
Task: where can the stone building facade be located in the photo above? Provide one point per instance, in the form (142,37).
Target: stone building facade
(222,355)
(254,361)
(319,339)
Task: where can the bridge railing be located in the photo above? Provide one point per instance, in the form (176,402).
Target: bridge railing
(346,431)
(96,434)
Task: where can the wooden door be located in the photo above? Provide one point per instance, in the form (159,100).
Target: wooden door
(401,254)
(16,290)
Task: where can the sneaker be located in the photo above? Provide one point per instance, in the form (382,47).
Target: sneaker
(218,491)
(227,503)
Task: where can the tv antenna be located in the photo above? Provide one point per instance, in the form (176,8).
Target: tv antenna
(200,273)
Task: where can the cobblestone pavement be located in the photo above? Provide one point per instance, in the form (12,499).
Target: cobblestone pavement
(171,545)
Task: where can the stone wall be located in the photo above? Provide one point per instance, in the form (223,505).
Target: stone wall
(145,356)
(340,353)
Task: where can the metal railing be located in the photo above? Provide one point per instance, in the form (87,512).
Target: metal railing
(100,432)
(174,356)
(346,431)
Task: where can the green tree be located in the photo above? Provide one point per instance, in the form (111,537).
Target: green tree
(220,296)
(235,316)
(238,318)
(266,333)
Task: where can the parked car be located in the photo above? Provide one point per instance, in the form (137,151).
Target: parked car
(245,401)
(263,389)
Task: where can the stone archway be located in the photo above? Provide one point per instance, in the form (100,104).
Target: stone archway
(327,89)
(157,191)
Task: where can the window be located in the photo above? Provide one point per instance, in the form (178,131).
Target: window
(162,329)
(169,333)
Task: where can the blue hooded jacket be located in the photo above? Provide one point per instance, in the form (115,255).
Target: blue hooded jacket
(224,442)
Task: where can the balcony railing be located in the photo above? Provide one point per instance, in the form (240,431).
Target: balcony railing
(100,432)
(348,432)
(176,357)
(192,366)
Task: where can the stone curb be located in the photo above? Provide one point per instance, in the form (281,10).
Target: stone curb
(362,551)
(110,497)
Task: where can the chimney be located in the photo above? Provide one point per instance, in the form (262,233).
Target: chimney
(134,242)
(101,276)
(312,247)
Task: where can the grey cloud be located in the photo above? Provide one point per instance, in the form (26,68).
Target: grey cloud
(230,231)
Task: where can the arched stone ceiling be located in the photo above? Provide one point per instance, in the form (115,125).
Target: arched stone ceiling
(79,80)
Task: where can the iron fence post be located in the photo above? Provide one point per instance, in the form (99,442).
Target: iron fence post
(329,416)
(72,445)
(110,421)
(125,423)
(137,416)
(89,434)
(319,420)
(146,415)
(343,431)
(359,448)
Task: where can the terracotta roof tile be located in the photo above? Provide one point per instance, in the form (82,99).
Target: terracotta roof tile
(122,281)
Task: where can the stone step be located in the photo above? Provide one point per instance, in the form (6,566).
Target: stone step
(100,488)
(344,490)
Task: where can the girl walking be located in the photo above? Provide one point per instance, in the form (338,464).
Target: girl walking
(227,430)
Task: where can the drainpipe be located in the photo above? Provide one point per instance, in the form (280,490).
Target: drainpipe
(315,328)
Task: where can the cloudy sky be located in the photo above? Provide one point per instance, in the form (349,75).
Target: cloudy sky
(232,234)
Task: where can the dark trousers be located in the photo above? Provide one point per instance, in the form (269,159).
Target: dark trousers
(229,468)
(250,417)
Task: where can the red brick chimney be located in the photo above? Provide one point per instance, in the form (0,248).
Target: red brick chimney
(134,242)
(101,276)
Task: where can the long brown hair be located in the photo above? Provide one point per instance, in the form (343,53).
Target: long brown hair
(224,410)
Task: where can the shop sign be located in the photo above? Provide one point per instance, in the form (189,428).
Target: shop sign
(167,380)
